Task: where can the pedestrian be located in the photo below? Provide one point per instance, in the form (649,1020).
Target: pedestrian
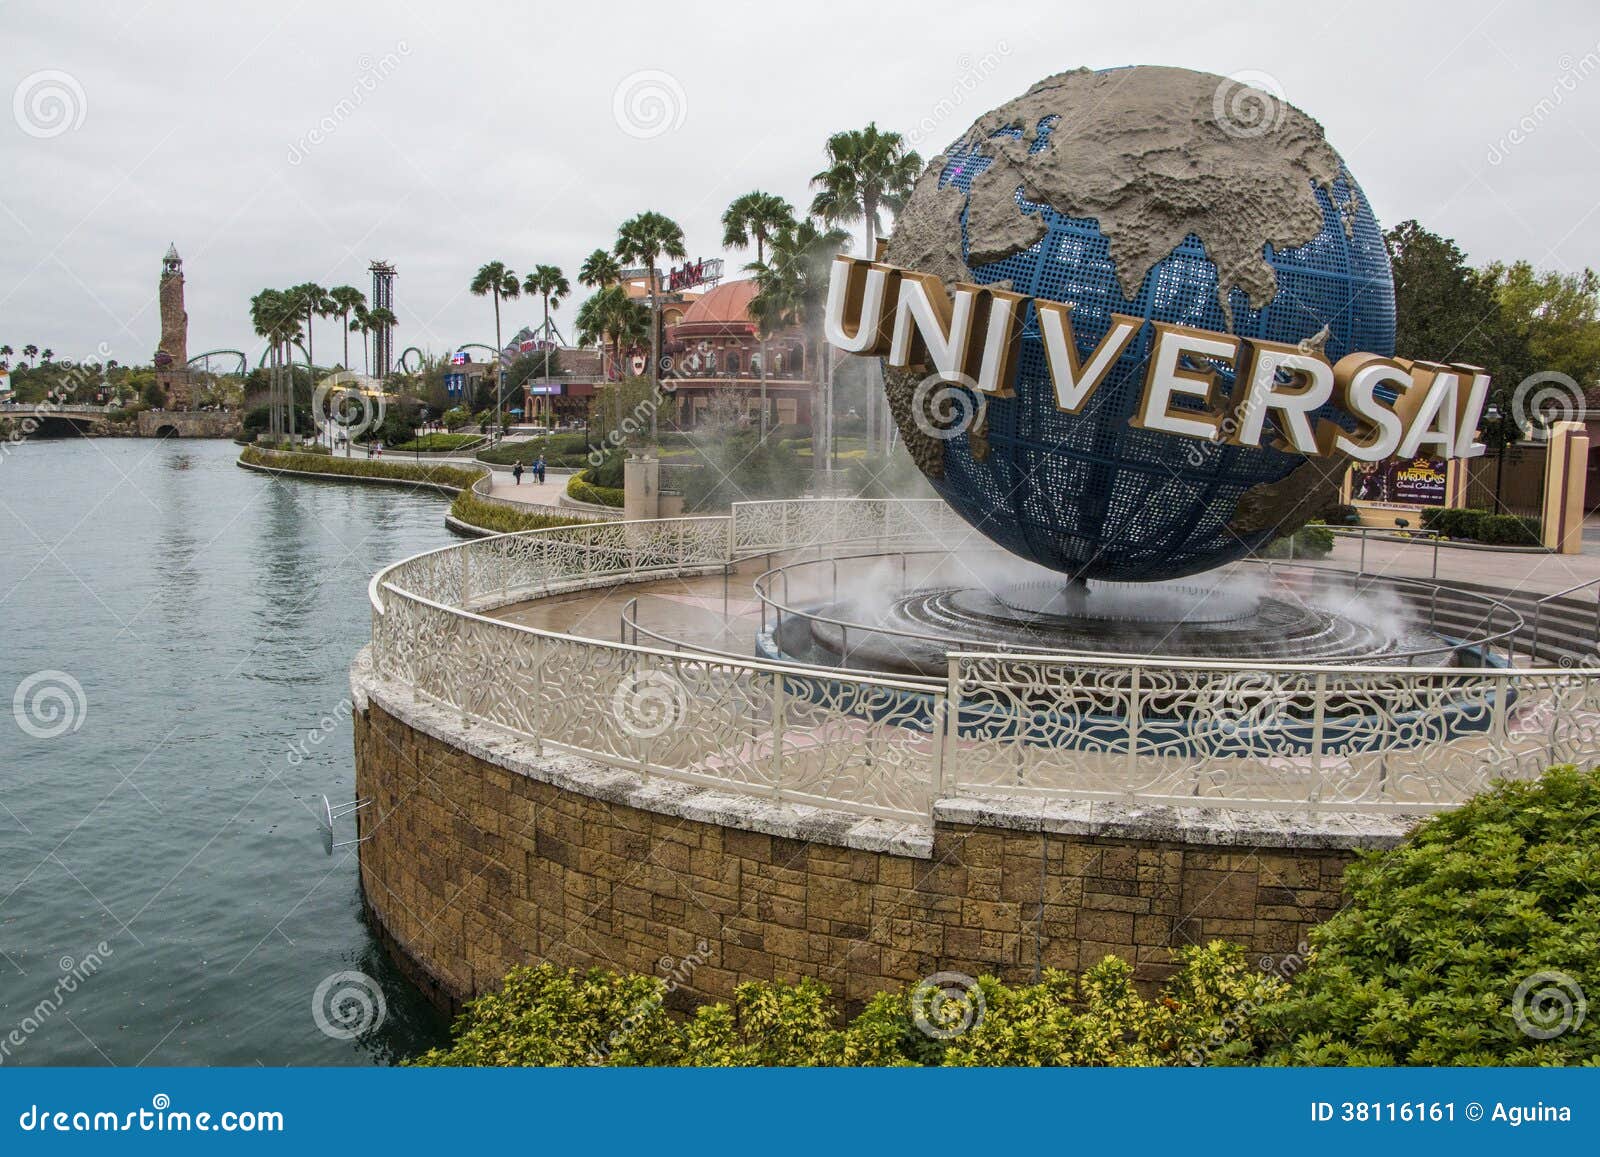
(539,469)
(516,472)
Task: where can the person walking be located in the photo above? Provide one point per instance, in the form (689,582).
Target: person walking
(539,469)
(516,472)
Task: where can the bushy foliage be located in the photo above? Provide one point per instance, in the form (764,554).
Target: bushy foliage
(455,477)
(871,475)
(739,467)
(544,1016)
(580,489)
(1424,966)
(1311,541)
(567,449)
(503,519)
(1482,526)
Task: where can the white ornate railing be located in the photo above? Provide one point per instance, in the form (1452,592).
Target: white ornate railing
(1271,736)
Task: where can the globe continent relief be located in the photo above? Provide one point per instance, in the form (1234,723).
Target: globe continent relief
(1163,194)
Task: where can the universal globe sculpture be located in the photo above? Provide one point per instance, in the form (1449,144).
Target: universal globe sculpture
(1163,194)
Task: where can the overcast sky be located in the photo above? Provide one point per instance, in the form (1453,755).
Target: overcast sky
(285,142)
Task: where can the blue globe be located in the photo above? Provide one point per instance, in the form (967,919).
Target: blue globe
(1088,494)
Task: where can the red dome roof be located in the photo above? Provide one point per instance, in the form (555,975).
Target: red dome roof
(725,306)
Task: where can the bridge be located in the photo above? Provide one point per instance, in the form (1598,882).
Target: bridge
(50,420)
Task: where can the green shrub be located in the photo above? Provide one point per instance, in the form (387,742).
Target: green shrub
(1453,522)
(1311,541)
(471,509)
(544,1016)
(457,477)
(1425,965)
(1509,530)
(566,450)
(1482,526)
(1341,514)
(580,489)
(740,467)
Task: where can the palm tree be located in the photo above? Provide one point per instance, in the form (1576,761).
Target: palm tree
(6,351)
(46,354)
(599,270)
(346,299)
(548,282)
(30,351)
(792,289)
(757,216)
(380,319)
(276,317)
(312,301)
(645,238)
(359,324)
(494,279)
(867,170)
(612,316)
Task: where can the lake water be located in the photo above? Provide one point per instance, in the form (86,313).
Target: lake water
(209,615)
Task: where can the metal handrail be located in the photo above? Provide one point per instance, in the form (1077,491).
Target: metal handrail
(1538,611)
(500,570)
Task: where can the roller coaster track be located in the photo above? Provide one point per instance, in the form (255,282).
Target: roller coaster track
(244,362)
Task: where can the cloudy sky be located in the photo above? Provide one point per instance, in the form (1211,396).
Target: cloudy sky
(286,142)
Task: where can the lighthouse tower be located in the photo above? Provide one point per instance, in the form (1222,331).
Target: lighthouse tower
(172,355)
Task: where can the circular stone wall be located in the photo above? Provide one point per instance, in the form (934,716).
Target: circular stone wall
(484,854)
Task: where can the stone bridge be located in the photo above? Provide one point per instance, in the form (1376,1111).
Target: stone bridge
(188,424)
(47,420)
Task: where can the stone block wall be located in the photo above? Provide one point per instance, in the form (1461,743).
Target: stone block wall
(473,867)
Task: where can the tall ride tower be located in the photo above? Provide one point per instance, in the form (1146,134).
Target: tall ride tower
(172,355)
(382,298)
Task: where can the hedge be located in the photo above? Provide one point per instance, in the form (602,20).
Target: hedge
(545,1016)
(580,489)
(457,477)
(1310,541)
(471,509)
(1483,526)
(1471,944)
(563,449)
